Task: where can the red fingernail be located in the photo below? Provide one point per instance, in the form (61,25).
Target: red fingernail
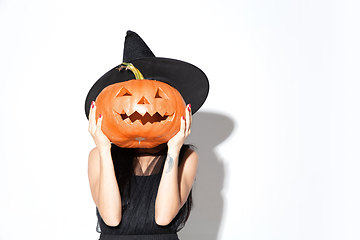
(100,116)
(183,118)
(92,104)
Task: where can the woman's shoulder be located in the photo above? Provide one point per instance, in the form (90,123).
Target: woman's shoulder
(93,154)
(186,151)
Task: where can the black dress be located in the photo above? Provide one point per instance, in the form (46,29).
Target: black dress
(138,211)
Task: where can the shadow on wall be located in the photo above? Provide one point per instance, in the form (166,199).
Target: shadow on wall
(208,130)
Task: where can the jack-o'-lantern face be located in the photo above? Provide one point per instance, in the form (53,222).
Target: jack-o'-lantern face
(140,113)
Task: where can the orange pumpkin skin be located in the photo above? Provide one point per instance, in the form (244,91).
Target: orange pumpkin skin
(140,113)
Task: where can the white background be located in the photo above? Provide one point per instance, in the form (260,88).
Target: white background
(278,136)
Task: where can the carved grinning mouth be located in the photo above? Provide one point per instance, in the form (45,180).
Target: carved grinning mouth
(144,119)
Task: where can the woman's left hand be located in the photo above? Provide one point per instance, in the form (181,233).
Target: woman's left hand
(178,140)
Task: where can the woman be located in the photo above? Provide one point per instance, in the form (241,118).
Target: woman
(175,184)
(145,193)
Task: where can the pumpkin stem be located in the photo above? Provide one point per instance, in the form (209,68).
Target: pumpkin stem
(133,69)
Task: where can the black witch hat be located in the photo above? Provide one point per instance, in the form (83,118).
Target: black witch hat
(188,79)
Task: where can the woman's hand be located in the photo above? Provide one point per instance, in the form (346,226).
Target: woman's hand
(101,141)
(178,140)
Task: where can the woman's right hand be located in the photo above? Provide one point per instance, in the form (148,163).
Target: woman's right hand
(101,141)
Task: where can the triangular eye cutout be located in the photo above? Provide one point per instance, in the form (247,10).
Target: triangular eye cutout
(123,92)
(160,94)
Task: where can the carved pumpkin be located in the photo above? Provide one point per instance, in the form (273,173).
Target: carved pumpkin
(140,113)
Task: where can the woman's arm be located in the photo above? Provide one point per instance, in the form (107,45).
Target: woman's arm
(103,184)
(176,182)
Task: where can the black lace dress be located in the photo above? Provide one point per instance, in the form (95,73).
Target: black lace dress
(138,213)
